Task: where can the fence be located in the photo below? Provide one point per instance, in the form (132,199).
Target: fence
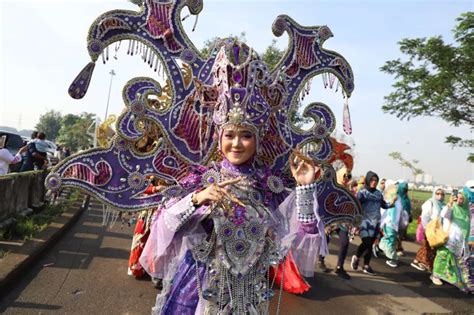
(21,191)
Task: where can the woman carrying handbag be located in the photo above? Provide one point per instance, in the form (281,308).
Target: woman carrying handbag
(430,210)
(450,262)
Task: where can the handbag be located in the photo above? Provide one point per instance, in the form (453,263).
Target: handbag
(435,234)
(420,232)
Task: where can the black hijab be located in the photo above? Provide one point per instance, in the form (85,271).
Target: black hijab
(369,175)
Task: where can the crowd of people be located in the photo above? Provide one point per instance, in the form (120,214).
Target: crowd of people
(32,156)
(387,212)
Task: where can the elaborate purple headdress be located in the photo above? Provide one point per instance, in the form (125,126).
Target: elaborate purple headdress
(231,85)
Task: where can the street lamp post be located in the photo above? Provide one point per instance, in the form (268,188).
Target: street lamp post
(112,73)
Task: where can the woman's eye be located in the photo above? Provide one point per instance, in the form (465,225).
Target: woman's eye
(248,136)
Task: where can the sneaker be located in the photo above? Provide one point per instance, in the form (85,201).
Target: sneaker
(418,266)
(401,253)
(342,273)
(392,263)
(368,270)
(436,280)
(375,250)
(354,262)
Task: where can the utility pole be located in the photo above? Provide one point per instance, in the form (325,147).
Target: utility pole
(97,120)
(112,73)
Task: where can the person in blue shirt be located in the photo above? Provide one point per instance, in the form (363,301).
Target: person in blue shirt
(34,158)
(371,200)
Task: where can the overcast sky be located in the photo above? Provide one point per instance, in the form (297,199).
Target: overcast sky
(43,48)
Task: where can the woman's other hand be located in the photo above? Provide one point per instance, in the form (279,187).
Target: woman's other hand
(214,192)
(303,169)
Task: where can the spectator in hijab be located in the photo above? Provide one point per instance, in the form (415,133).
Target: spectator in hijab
(381,185)
(391,223)
(468,191)
(371,200)
(375,248)
(453,260)
(430,210)
(405,216)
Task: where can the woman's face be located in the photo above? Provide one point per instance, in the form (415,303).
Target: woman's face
(238,144)
(439,195)
(460,200)
(382,184)
(373,182)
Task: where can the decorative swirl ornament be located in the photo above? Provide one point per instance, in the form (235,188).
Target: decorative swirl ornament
(53,181)
(135,180)
(201,94)
(138,108)
(275,184)
(210,177)
(121,144)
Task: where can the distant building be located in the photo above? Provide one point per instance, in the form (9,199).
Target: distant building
(427,179)
(419,178)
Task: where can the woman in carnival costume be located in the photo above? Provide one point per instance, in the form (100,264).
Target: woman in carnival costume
(239,194)
(238,238)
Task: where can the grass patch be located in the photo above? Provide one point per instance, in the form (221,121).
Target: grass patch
(3,253)
(412,228)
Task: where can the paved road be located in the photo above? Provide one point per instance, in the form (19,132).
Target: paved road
(85,273)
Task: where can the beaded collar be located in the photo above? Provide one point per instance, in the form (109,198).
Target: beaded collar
(246,169)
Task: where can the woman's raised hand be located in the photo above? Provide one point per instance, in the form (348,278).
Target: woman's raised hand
(215,193)
(303,168)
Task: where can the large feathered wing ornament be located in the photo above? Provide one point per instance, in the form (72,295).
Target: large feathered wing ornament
(200,94)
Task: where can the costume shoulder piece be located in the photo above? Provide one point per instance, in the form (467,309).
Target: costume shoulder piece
(201,95)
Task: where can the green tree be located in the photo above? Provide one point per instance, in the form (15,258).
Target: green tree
(73,132)
(50,123)
(436,80)
(397,156)
(209,44)
(272,55)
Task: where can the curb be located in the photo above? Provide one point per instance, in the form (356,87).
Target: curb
(16,264)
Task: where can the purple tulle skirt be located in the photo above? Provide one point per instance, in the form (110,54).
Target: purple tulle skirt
(183,297)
